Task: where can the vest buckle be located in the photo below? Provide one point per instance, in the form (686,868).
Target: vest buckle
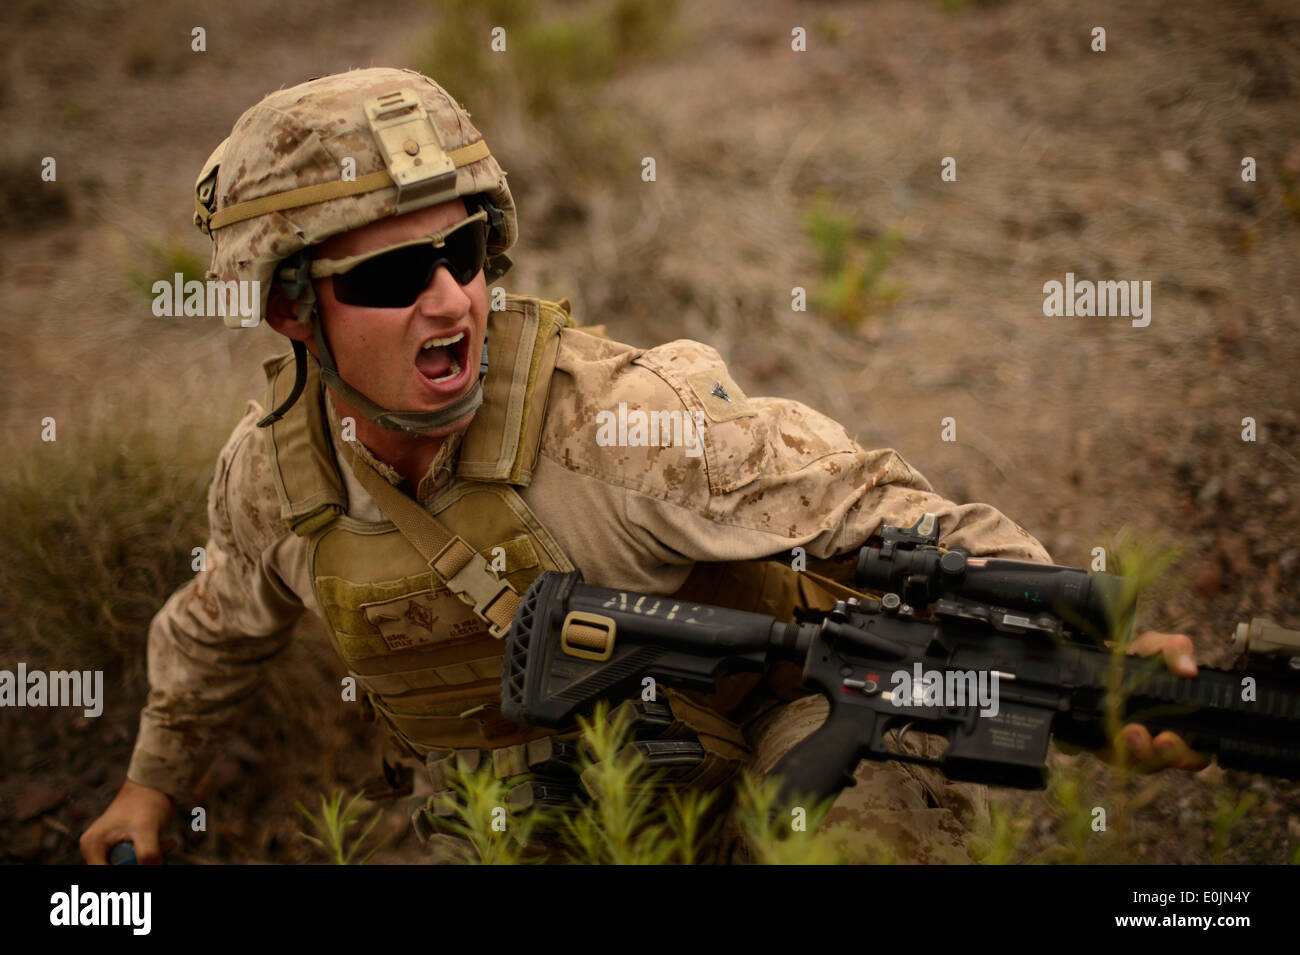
(472,580)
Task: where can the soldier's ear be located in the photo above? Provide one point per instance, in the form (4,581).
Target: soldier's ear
(282,315)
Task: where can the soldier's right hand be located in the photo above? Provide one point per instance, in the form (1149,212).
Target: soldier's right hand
(138,813)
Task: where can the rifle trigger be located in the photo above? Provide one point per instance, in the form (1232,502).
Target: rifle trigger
(899,734)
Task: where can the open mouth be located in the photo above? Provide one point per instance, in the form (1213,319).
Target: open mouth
(442,362)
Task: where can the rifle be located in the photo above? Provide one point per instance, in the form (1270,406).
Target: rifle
(946,625)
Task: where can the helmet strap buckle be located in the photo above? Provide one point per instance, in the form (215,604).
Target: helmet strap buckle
(295,274)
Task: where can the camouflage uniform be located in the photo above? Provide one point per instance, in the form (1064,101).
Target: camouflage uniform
(773,475)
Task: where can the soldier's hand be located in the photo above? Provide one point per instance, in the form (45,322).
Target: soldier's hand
(1168,749)
(137,813)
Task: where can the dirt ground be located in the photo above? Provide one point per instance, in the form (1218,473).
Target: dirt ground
(1117,165)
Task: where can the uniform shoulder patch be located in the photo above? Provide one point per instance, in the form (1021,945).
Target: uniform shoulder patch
(720,397)
(733,433)
(700,369)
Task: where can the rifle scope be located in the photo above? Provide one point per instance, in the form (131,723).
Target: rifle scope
(922,575)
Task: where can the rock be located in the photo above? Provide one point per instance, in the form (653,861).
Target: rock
(222,774)
(1174,161)
(1288,561)
(1210,492)
(240,748)
(28,845)
(1237,552)
(1267,586)
(1209,580)
(93,777)
(1231,331)
(1211,774)
(37,799)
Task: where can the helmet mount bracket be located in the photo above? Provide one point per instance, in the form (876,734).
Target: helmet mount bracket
(413,150)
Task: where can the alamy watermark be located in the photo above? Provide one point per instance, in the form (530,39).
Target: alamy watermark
(1086,299)
(76,907)
(946,688)
(83,688)
(650,429)
(210,299)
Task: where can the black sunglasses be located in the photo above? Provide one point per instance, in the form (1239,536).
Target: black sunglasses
(395,276)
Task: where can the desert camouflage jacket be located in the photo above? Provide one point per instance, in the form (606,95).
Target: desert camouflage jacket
(746,478)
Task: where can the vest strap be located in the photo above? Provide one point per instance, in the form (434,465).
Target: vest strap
(454,563)
(450,674)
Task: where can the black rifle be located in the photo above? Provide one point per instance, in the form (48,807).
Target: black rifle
(946,621)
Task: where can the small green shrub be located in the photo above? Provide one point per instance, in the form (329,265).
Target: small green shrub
(333,825)
(853,267)
(631,817)
(162,261)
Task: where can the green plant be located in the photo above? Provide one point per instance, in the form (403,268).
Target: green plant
(488,833)
(630,818)
(688,815)
(1139,565)
(1070,798)
(333,825)
(1227,814)
(162,261)
(545,59)
(997,843)
(622,824)
(831,232)
(772,837)
(1072,793)
(853,267)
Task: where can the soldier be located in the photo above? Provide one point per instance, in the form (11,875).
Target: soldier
(413,427)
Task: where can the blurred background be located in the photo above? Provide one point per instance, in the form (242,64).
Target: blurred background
(774,169)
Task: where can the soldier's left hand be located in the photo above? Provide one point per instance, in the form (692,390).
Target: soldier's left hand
(1168,749)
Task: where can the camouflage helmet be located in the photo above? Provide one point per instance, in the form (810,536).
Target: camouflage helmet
(282,180)
(331,155)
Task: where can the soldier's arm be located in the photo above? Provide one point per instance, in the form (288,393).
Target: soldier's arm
(759,477)
(828,505)
(209,643)
(768,474)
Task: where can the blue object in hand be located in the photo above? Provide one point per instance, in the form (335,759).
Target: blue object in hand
(123,854)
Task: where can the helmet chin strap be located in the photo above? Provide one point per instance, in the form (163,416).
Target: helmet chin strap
(411,422)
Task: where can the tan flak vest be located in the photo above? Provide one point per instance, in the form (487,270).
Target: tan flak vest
(423,656)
